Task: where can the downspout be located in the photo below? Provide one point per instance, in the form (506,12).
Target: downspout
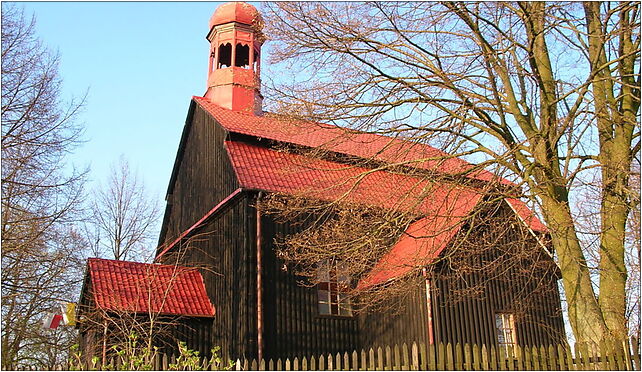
(259,283)
(431,336)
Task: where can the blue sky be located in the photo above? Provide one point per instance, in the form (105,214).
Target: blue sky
(140,63)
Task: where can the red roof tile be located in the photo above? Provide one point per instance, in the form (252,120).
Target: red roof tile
(342,140)
(144,288)
(270,170)
(422,242)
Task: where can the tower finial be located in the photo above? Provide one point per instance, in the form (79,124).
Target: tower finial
(235,38)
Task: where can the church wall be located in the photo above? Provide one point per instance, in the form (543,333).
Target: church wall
(292,324)
(202,177)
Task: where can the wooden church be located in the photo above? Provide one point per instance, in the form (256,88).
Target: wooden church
(232,154)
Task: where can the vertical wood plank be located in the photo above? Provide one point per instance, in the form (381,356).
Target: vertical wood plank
(337,362)
(279,365)
(441,357)
(536,358)
(528,359)
(355,361)
(254,365)
(493,359)
(389,361)
(450,359)
(380,362)
(271,365)
(346,361)
(561,358)
(304,364)
(313,363)
(519,358)
(414,355)
(484,357)
(397,358)
(468,358)
(371,360)
(476,358)
(570,363)
(579,362)
(321,363)
(432,357)
(626,346)
(406,359)
(364,361)
(262,365)
(510,357)
(295,364)
(552,358)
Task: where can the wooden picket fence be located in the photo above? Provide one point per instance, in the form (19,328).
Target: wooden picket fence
(606,356)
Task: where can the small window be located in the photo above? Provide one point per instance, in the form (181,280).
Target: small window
(332,288)
(505,327)
(225,55)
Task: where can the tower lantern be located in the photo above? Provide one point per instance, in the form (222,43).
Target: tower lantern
(233,79)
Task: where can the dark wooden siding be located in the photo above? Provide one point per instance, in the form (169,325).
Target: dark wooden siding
(527,290)
(293,326)
(203,175)
(471,319)
(224,250)
(406,321)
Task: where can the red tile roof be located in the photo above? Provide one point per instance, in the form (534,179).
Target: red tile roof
(421,243)
(144,288)
(270,170)
(342,140)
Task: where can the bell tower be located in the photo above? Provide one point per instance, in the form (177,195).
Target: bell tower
(233,79)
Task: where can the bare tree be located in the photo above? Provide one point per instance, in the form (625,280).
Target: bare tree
(123,216)
(546,91)
(40,196)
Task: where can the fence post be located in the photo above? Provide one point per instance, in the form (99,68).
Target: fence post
(313,363)
(432,358)
(484,356)
(468,358)
(406,359)
(346,361)
(355,361)
(295,367)
(380,362)
(450,359)
(371,362)
(397,358)
(279,365)
(389,362)
(441,357)
(321,363)
(287,364)
(476,358)
(493,358)
(271,364)
(415,357)
(338,362)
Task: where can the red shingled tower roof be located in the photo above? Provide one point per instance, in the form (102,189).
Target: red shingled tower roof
(148,288)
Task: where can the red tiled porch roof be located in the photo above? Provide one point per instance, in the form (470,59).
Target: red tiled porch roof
(421,243)
(148,288)
(342,140)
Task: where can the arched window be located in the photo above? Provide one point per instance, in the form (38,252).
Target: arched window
(224,55)
(242,56)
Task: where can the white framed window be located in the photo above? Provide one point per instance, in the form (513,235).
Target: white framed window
(506,331)
(332,286)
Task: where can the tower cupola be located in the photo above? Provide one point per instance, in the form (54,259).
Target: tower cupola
(233,79)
